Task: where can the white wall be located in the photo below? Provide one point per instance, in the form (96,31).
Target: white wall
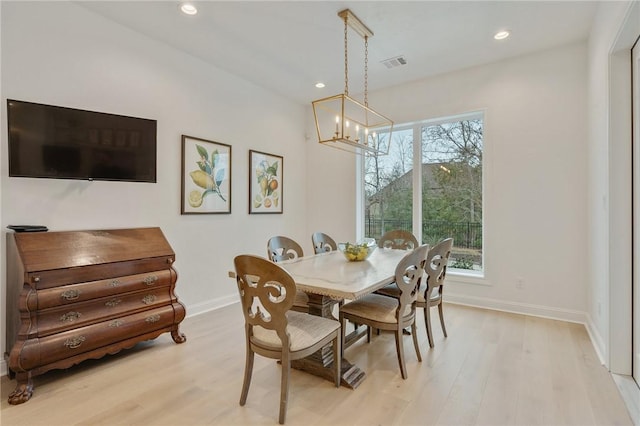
(535,191)
(61,54)
(331,191)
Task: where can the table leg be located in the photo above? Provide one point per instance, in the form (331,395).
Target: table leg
(320,363)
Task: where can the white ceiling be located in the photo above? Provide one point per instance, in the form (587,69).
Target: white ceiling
(287,46)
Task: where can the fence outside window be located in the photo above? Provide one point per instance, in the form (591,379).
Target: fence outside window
(465,234)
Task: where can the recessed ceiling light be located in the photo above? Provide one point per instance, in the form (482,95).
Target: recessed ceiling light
(501,35)
(319,85)
(188,9)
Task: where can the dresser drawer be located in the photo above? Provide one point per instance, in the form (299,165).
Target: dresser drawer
(52,321)
(56,296)
(58,277)
(42,351)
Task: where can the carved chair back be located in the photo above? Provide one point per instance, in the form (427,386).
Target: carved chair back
(323,243)
(436,266)
(398,239)
(281,248)
(409,273)
(267,292)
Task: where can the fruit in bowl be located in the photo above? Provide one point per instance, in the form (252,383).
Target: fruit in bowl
(358,251)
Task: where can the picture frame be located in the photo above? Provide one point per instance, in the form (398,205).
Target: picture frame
(206,177)
(265,183)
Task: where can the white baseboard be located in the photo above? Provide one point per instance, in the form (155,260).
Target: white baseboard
(211,305)
(630,394)
(517,308)
(597,341)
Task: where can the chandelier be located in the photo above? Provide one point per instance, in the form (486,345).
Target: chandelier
(344,123)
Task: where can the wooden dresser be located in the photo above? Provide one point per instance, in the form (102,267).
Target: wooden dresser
(77,295)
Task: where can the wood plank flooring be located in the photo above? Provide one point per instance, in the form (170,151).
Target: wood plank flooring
(495,368)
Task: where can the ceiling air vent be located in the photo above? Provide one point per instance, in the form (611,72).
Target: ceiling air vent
(394,62)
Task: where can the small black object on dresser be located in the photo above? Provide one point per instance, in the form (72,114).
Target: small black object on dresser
(28,228)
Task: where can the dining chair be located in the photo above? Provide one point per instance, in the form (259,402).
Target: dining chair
(390,313)
(281,248)
(274,331)
(323,243)
(398,239)
(430,291)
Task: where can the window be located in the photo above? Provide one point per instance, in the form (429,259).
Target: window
(443,198)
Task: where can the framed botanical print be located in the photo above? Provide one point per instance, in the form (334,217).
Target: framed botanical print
(206,176)
(265,182)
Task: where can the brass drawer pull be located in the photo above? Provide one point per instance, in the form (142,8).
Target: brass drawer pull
(70,316)
(152,318)
(70,294)
(149,299)
(116,323)
(113,302)
(74,342)
(150,280)
(114,283)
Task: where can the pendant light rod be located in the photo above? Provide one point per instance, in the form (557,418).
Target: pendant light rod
(355,23)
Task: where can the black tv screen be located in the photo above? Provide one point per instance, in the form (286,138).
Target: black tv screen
(47,141)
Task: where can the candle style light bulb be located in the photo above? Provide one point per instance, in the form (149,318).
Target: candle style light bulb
(346,124)
(357,132)
(337,124)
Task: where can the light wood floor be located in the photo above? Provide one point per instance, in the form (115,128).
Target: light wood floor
(494,368)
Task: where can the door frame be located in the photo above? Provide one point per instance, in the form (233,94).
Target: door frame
(635,138)
(619,357)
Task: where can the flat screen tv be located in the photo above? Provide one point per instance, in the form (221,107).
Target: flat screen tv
(47,141)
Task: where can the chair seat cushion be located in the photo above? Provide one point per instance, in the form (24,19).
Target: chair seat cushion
(392,290)
(375,307)
(304,331)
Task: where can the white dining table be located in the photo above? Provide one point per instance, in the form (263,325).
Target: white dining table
(332,275)
(328,279)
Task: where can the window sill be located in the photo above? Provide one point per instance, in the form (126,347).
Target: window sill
(467,277)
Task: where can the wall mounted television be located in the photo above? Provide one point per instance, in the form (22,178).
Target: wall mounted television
(47,141)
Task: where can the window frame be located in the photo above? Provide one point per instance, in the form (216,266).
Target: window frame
(464,275)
